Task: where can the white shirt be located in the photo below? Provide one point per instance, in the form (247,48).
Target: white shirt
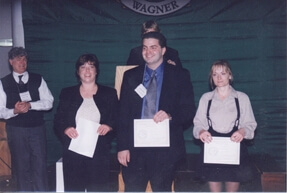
(89,110)
(223,114)
(45,102)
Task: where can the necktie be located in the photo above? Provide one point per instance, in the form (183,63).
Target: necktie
(150,102)
(20,80)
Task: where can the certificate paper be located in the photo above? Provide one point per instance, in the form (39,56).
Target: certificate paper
(148,133)
(85,143)
(222,150)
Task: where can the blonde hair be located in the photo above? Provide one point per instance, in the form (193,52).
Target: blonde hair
(150,24)
(225,66)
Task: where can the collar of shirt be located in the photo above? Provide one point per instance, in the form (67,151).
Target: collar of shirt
(148,73)
(24,78)
(233,94)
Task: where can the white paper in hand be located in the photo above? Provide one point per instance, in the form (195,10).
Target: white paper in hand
(85,143)
(222,151)
(148,133)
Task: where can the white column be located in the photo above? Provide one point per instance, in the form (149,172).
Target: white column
(17,24)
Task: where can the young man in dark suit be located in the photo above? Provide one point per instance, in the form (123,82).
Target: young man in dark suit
(174,101)
(136,58)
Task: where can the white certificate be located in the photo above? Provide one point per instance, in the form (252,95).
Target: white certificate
(148,133)
(222,150)
(85,143)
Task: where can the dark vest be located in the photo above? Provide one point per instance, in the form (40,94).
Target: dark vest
(32,118)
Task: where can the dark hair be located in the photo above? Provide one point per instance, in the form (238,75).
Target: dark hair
(156,35)
(150,24)
(91,59)
(225,65)
(17,52)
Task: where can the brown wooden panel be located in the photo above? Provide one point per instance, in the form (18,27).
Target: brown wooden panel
(273,181)
(5,158)
(3,134)
(120,70)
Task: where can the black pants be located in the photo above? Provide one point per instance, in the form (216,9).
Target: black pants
(145,166)
(83,173)
(28,154)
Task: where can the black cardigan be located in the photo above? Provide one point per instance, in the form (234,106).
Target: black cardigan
(70,101)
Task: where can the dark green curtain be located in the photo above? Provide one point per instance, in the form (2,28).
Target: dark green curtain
(250,34)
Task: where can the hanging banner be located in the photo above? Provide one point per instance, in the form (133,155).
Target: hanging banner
(155,7)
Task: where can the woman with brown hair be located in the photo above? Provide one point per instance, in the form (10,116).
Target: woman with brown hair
(98,104)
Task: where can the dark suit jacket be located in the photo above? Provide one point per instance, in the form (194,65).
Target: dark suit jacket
(176,98)
(70,100)
(136,58)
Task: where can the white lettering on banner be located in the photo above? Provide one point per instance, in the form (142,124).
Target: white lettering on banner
(155,8)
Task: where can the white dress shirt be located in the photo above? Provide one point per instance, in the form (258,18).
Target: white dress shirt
(45,102)
(223,113)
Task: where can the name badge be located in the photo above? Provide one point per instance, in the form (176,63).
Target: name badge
(25,96)
(141,90)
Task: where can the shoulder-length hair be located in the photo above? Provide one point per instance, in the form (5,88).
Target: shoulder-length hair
(91,59)
(225,66)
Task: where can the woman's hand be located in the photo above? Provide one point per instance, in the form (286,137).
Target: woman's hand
(71,132)
(205,136)
(104,129)
(238,135)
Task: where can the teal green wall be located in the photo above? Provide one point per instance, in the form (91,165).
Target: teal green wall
(250,34)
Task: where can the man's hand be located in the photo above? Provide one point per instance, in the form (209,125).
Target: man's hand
(161,116)
(124,157)
(21,107)
(171,62)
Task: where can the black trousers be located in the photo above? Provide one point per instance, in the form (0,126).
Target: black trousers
(28,154)
(82,173)
(147,166)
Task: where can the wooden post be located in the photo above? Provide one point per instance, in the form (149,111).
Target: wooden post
(5,157)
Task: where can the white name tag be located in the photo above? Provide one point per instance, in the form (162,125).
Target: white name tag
(141,90)
(25,96)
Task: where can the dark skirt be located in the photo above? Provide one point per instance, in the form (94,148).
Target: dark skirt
(245,171)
